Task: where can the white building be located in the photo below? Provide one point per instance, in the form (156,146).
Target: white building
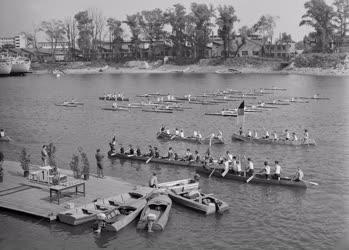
(18,41)
(49,45)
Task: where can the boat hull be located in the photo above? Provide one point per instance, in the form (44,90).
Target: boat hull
(258,179)
(215,205)
(20,67)
(171,137)
(271,141)
(5,139)
(5,68)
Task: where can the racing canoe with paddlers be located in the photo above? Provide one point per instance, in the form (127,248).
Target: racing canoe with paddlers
(151,159)
(256,179)
(245,138)
(173,137)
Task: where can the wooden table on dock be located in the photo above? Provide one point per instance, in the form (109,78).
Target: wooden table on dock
(58,189)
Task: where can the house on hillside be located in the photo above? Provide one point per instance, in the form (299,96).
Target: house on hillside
(250,48)
(344,47)
(280,50)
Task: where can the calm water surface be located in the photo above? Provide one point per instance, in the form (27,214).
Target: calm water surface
(259,217)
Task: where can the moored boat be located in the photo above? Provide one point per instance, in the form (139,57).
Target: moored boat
(309,142)
(118,218)
(173,137)
(88,212)
(155,214)
(205,203)
(179,185)
(20,65)
(257,179)
(155,160)
(5,65)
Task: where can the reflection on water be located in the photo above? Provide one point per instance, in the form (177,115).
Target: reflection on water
(260,216)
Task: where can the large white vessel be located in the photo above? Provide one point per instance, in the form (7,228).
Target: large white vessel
(5,65)
(20,65)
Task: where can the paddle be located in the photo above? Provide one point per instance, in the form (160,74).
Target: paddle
(212,171)
(311,182)
(172,137)
(151,157)
(249,179)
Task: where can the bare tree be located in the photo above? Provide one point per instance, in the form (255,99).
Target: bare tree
(54,29)
(98,22)
(70,26)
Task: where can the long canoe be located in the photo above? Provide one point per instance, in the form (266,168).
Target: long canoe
(156,160)
(257,179)
(223,114)
(244,138)
(157,111)
(69,105)
(125,99)
(172,137)
(116,109)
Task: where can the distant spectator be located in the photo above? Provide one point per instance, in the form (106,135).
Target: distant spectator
(99,159)
(44,155)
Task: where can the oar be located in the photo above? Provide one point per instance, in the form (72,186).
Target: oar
(151,157)
(172,137)
(311,182)
(212,171)
(249,179)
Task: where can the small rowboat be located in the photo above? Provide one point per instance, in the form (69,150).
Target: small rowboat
(157,111)
(156,160)
(172,137)
(125,99)
(205,203)
(69,105)
(117,109)
(5,139)
(88,212)
(179,186)
(245,138)
(121,216)
(257,179)
(155,214)
(227,114)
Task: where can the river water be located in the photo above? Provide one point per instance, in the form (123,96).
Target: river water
(259,217)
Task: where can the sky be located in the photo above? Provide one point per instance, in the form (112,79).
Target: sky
(22,15)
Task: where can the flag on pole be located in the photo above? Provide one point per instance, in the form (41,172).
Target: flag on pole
(241,109)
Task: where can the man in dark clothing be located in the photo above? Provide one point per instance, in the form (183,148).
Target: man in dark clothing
(99,159)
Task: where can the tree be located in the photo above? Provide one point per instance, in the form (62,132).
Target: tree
(244,32)
(71,33)
(133,21)
(265,28)
(115,35)
(177,18)
(55,32)
(341,20)
(152,23)
(98,23)
(320,16)
(225,21)
(285,38)
(85,27)
(200,16)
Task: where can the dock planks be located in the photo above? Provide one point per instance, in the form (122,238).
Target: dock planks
(21,195)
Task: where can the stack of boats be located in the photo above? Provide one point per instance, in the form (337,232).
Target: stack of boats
(115,213)
(14,65)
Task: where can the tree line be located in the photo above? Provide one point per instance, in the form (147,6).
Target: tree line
(189,31)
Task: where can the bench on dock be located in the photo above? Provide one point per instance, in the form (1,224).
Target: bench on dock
(58,189)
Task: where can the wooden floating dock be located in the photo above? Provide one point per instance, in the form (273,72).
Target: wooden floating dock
(33,198)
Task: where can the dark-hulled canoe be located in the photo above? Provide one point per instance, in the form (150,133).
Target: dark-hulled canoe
(156,160)
(211,206)
(258,179)
(116,109)
(244,138)
(172,137)
(159,207)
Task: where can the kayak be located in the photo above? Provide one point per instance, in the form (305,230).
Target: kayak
(244,138)
(66,105)
(125,99)
(157,110)
(227,114)
(116,109)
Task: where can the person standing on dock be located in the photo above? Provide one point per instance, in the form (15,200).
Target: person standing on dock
(99,159)
(44,155)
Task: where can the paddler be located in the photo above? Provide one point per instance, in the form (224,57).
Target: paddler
(177,132)
(240,131)
(199,135)
(306,135)
(238,168)
(250,167)
(153,182)
(287,135)
(170,153)
(122,150)
(299,175)
(138,151)
(275,136)
(266,170)
(249,133)
(197,157)
(195,133)
(115,105)
(255,134)
(295,138)
(266,134)
(151,152)
(131,151)
(162,129)
(181,133)
(220,135)
(2,133)
(156,153)
(277,170)
(188,155)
